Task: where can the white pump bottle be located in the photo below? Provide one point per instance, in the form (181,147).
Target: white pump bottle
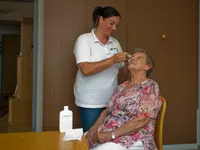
(66,120)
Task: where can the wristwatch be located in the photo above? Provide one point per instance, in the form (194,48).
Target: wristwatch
(113,135)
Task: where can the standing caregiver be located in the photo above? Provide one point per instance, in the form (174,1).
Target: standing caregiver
(99,58)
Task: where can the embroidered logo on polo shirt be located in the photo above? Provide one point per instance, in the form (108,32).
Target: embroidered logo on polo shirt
(114,49)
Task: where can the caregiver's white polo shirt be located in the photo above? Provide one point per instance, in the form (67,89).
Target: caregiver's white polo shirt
(94,91)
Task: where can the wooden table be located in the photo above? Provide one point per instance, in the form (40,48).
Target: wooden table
(39,141)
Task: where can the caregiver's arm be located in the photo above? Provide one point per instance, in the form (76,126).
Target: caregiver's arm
(90,68)
(82,53)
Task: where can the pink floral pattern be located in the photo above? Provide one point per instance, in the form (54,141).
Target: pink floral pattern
(142,98)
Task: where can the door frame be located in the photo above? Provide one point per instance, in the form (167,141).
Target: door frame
(38,48)
(198,110)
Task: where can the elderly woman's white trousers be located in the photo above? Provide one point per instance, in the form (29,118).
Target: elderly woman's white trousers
(113,146)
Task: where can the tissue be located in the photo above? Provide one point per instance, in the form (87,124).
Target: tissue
(73,134)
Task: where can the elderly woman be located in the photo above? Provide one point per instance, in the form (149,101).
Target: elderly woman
(129,120)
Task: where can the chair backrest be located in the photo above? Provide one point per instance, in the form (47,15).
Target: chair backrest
(158,135)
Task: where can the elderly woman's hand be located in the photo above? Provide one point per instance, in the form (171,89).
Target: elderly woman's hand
(103,137)
(91,136)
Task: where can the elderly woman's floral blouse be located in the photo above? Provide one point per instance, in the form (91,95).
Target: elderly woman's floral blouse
(142,98)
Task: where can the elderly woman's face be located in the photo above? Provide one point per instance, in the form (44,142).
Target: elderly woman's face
(138,62)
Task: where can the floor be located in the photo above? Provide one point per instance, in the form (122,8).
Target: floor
(3,115)
(17,125)
(3,106)
(5,127)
